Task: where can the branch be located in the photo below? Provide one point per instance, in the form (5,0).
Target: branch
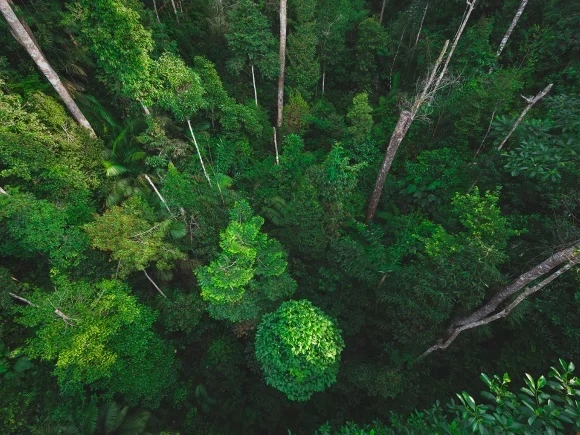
(531,102)
(3,192)
(501,314)
(157,192)
(483,316)
(20,298)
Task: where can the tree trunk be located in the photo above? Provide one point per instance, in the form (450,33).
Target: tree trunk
(403,124)
(198,152)
(512,26)
(484,315)
(3,192)
(383,11)
(276,146)
(22,36)
(254,83)
(323,79)
(156,11)
(175,11)
(282,61)
(531,102)
(421,25)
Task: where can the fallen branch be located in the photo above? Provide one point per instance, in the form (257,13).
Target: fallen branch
(20,298)
(154,284)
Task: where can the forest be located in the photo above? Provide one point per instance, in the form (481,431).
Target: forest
(289,216)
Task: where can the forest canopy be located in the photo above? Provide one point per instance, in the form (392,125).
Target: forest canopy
(290,216)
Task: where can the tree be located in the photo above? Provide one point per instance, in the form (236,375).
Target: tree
(283,24)
(249,274)
(25,39)
(406,118)
(251,40)
(566,258)
(298,348)
(112,31)
(99,336)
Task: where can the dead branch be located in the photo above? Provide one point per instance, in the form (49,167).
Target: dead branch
(20,298)
(154,284)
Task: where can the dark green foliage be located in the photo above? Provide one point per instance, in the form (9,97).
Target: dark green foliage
(298,347)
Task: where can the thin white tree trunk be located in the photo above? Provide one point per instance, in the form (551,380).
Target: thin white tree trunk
(470,7)
(154,284)
(175,11)
(531,101)
(383,11)
(276,146)
(484,315)
(3,192)
(512,26)
(254,83)
(421,25)
(20,298)
(198,152)
(395,59)
(156,11)
(283,25)
(158,193)
(323,79)
(22,36)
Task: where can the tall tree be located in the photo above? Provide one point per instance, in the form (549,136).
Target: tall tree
(283,25)
(433,84)
(24,39)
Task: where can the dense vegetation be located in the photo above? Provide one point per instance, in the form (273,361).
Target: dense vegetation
(181,253)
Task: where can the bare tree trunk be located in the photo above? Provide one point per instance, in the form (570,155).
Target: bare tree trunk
(254,83)
(198,152)
(22,36)
(484,315)
(383,11)
(20,298)
(323,79)
(470,7)
(395,59)
(156,11)
(282,61)
(157,192)
(175,11)
(512,26)
(403,124)
(154,284)
(421,25)
(3,192)
(276,146)
(531,101)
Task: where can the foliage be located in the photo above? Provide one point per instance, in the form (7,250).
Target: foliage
(248,274)
(99,336)
(298,348)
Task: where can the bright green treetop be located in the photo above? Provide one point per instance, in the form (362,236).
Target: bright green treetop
(298,347)
(249,272)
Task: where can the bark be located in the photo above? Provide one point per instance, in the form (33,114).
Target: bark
(198,152)
(276,146)
(254,83)
(22,36)
(282,61)
(531,102)
(483,317)
(512,26)
(403,124)
(383,11)
(154,284)
(421,25)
